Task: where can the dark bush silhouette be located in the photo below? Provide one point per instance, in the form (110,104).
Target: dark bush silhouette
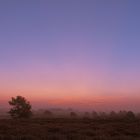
(122,114)
(103,115)
(48,113)
(86,115)
(130,115)
(113,115)
(95,115)
(137,115)
(21,108)
(73,114)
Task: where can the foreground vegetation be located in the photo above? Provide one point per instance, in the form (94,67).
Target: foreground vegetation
(25,124)
(69,129)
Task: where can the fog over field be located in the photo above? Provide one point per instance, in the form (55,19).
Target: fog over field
(69,70)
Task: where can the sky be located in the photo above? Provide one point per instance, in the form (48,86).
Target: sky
(75,53)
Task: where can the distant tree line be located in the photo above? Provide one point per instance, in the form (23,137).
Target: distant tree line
(127,115)
(21,108)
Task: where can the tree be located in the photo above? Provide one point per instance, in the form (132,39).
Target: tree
(21,108)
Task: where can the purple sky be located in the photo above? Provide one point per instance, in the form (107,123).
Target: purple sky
(69,49)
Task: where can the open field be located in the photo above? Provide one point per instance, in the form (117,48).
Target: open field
(69,129)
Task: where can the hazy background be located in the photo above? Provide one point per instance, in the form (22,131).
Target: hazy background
(74,53)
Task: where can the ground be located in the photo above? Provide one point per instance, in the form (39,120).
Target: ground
(69,129)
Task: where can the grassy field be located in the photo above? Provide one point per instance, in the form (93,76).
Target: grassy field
(69,129)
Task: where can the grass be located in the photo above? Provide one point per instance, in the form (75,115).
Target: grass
(69,129)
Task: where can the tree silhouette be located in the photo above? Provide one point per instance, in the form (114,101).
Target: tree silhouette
(21,108)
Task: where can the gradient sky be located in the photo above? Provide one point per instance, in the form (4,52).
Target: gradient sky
(71,52)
